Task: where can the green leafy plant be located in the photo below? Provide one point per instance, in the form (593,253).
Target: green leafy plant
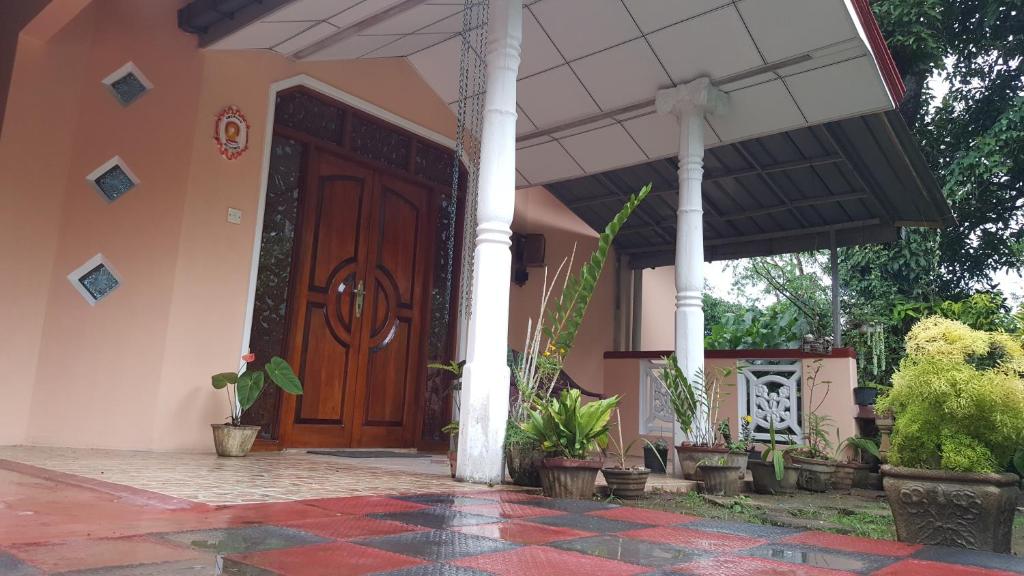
(958,399)
(454,369)
(858,443)
(776,453)
(565,318)
(817,427)
(563,426)
(745,440)
(245,386)
(621,452)
(695,413)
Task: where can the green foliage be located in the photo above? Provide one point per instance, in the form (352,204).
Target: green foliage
(857,443)
(776,453)
(681,396)
(779,326)
(567,428)
(565,318)
(958,398)
(982,311)
(244,388)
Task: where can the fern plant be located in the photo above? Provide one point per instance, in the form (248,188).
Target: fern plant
(565,318)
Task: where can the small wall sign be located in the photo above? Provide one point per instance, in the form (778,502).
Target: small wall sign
(231,132)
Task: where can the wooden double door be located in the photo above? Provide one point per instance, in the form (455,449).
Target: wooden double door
(358,302)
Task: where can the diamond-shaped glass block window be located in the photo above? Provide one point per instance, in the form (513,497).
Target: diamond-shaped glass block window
(127,84)
(113,179)
(95,279)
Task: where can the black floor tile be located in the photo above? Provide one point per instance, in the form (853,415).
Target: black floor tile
(578,506)
(589,523)
(990,560)
(743,529)
(437,518)
(822,558)
(437,545)
(629,550)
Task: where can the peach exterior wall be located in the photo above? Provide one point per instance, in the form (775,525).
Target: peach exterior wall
(538,212)
(658,320)
(133,371)
(622,377)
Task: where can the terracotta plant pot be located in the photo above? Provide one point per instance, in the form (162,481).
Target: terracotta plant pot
(233,440)
(651,459)
(958,509)
(850,474)
(815,475)
(738,459)
(568,478)
(720,479)
(628,484)
(524,465)
(689,455)
(763,475)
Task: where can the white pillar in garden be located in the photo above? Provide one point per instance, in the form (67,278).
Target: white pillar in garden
(690,103)
(485,387)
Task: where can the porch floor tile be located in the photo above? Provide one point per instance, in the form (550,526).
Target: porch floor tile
(53,523)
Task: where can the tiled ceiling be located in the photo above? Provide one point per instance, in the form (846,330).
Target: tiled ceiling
(585,58)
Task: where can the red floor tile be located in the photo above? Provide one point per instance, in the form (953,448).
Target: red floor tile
(85,554)
(538,560)
(343,527)
(853,544)
(524,532)
(695,539)
(339,559)
(754,566)
(361,505)
(655,517)
(270,512)
(508,510)
(924,568)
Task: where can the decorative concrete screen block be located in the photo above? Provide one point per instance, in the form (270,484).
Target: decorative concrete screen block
(769,391)
(127,84)
(95,279)
(113,179)
(656,415)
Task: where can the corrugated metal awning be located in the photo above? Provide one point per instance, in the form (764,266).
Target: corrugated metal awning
(862,179)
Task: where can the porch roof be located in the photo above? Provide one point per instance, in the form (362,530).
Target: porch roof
(590,68)
(861,178)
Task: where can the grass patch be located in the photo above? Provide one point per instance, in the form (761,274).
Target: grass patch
(692,503)
(863,524)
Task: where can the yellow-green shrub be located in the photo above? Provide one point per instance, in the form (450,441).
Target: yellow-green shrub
(958,398)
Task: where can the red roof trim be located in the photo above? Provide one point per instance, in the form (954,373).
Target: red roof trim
(890,74)
(757,354)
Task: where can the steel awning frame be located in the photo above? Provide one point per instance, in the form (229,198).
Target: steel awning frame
(861,179)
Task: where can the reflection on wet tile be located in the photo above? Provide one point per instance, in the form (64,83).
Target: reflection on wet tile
(251,539)
(508,510)
(541,560)
(524,533)
(212,567)
(444,500)
(820,558)
(589,523)
(990,560)
(437,518)
(438,545)
(349,527)
(337,559)
(627,550)
(9,565)
(578,506)
(435,570)
(744,529)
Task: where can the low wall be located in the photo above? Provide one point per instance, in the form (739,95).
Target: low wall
(835,374)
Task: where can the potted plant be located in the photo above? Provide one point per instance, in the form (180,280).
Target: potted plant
(656,455)
(696,414)
(814,457)
(958,400)
(865,395)
(852,472)
(627,482)
(720,477)
(549,341)
(572,435)
(243,388)
(454,369)
(739,449)
(772,474)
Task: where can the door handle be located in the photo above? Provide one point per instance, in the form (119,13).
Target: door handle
(360,293)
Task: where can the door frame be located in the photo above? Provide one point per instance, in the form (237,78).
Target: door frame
(368,108)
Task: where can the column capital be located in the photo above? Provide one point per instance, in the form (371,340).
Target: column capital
(699,96)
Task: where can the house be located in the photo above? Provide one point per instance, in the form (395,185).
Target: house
(188,180)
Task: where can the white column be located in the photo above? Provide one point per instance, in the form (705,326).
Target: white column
(485,379)
(690,103)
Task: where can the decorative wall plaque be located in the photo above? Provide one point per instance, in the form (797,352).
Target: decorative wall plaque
(231,132)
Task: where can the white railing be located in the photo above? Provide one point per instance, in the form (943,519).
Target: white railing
(656,416)
(770,391)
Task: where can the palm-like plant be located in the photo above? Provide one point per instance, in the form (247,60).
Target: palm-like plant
(563,426)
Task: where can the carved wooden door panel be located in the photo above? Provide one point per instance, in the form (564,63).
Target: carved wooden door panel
(396,300)
(358,308)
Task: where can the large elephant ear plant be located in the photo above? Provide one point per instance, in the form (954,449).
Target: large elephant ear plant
(244,387)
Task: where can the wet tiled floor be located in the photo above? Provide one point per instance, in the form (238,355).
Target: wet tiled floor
(53,524)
